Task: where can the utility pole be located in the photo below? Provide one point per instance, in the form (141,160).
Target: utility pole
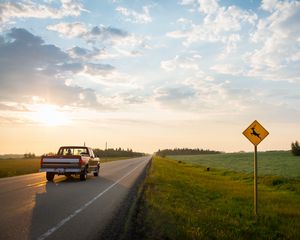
(105,145)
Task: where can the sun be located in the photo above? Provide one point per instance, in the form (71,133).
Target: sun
(49,115)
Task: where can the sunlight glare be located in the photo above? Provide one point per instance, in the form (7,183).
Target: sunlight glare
(49,115)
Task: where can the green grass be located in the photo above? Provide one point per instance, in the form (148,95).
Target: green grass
(184,201)
(281,163)
(20,166)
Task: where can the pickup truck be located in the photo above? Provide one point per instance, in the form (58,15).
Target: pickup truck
(70,160)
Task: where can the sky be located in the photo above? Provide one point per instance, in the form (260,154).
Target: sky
(147,74)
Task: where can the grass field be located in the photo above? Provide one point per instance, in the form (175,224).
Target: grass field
(281,163)
(20,166)
(184,201)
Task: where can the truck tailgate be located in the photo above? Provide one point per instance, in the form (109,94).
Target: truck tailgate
(60,164)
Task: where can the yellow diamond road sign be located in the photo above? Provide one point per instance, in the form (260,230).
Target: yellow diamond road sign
(255,133)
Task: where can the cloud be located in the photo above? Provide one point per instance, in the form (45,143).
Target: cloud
(176,96)
(100,35)
(13,120)
(208,6)
(10,10)
(98,69)
(135,17)
(16,107)
(106,34)
(276,56)
(180,62)
(186,2)
(269,49)
(93,54)
(227,69)
(131,97)
(110,78)
(197,95)
(43,75)
(218,25)
(69,29)
(118,38)
(269,5)
(230,45)
(78,29)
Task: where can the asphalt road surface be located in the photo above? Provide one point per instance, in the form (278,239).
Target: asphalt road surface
(32,208)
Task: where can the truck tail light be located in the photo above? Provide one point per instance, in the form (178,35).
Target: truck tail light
(80,161)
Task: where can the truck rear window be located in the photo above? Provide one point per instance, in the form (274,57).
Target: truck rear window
(73,151)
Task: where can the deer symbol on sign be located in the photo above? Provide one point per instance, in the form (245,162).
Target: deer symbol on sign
(254,133)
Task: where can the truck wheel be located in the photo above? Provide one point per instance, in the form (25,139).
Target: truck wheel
(83,175)
(96,174)
(50,176)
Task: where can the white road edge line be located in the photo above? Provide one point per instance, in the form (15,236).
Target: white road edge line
(67,219)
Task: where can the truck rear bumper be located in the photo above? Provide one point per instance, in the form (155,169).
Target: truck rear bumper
(61,170)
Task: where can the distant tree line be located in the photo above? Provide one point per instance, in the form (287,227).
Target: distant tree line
(117,152)
(295,148)
(185,151)
(29,155)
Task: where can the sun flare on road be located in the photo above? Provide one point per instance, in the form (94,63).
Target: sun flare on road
(49,115)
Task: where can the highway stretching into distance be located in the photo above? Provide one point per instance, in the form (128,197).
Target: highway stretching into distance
(32,208)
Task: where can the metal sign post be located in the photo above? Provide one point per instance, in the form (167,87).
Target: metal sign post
(255,134)
(255,181)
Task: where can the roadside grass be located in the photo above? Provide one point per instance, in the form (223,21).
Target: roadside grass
(184,201)
(279,163)
(21,166)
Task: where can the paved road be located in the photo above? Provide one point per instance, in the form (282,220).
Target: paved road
(32,208)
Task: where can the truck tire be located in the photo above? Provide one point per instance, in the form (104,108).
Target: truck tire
(96,173)
(50,176)
(83,175)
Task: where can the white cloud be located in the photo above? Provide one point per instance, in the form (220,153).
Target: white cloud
(96,33)
(219,24)
(29,9)
(69,29)
(276,55)
(188,63)
(231,45)
(269,5)
(135,17)
(208,6)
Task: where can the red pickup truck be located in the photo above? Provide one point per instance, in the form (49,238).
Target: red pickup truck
(71,160)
